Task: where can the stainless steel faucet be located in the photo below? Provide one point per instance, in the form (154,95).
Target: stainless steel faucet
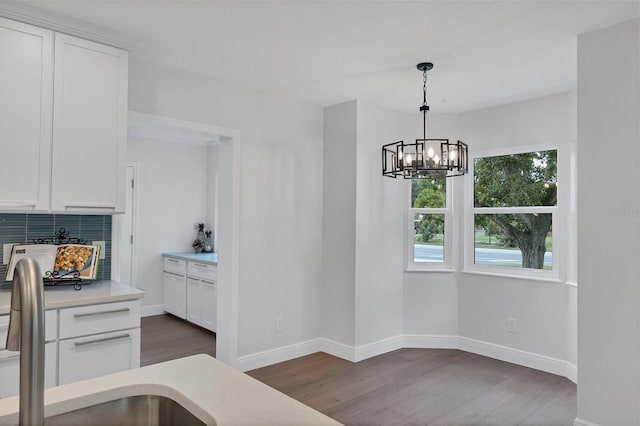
(26,334)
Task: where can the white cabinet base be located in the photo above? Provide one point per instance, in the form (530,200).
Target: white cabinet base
(10,370)
(91,356)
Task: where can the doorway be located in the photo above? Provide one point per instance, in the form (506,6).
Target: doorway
(223,213)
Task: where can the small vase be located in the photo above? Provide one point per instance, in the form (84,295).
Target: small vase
(208,242)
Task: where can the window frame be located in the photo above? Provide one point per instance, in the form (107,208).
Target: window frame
(471,211)
(447,211)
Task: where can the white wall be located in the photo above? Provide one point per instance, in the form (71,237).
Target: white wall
(280,195)
(171,197)
(608,228)
(339,222)
(379,225)
(540,308)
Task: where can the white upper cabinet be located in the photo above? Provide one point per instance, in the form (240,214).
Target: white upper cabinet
(63,122)
(89,126)
(26,75)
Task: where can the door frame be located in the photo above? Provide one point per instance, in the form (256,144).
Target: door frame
(229,232)
(117,225)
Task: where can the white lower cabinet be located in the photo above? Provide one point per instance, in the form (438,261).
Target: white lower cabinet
(81,342)
(98,339)
(10,370)
(175,294)
(194,300)
(209,304)
(190,291)
(91,356)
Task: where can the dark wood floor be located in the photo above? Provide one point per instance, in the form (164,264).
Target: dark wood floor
(165,337)
(404,387)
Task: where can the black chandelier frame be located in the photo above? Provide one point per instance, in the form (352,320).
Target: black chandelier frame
(426,157)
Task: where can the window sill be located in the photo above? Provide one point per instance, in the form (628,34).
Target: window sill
(440,270)
(549,279)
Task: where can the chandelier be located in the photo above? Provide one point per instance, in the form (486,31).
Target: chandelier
(426,157)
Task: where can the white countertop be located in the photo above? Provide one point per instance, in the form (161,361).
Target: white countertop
(90,294)
(211,258)
(211,390)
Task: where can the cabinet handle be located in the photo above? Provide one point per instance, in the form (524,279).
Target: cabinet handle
(104,339)
(209,282)
(10,356)
(16,205)
(91,314)
(172,260)
(103,206)
(174,274)
(201,265)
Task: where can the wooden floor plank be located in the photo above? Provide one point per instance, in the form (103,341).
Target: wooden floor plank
(443,387)
(165,337)
(429,387)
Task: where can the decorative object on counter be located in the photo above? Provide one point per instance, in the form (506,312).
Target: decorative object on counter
(60,237)
(198,242)
(208,242)
(70,259)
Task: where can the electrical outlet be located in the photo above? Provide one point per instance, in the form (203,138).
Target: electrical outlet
(279,324)
(101,244)
(512,325)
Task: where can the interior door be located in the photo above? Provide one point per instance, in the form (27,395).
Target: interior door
(127,231)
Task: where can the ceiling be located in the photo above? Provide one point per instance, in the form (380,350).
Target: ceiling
(325,52)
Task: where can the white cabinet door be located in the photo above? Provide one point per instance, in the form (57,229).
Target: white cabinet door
(209,305)
(194,300)
(26,78)
(89,126)
(10,370)
(92,356)
(175,294)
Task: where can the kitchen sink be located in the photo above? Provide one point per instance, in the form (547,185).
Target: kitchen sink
(143,410)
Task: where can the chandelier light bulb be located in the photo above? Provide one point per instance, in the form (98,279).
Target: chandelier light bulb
(409,159)
(436,159)
(430,152)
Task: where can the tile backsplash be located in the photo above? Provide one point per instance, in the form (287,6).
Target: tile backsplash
(25,228)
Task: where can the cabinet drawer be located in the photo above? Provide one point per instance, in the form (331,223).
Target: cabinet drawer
(93,356)
(202,270)
(50,326)
(175,266)
(10,370)
(94,319)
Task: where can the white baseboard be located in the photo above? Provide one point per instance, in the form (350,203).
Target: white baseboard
(276,355)
(572,372)
(149,311)
(517,356)
(378,348)
(580,422)
(337,349)
(359,353)
(429,341)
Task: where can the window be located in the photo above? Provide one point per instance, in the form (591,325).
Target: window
(429,234)
(514,212)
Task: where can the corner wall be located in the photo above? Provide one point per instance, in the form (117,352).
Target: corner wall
(608,225)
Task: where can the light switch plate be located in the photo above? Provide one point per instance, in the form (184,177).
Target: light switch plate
(6,253)
(101,244)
